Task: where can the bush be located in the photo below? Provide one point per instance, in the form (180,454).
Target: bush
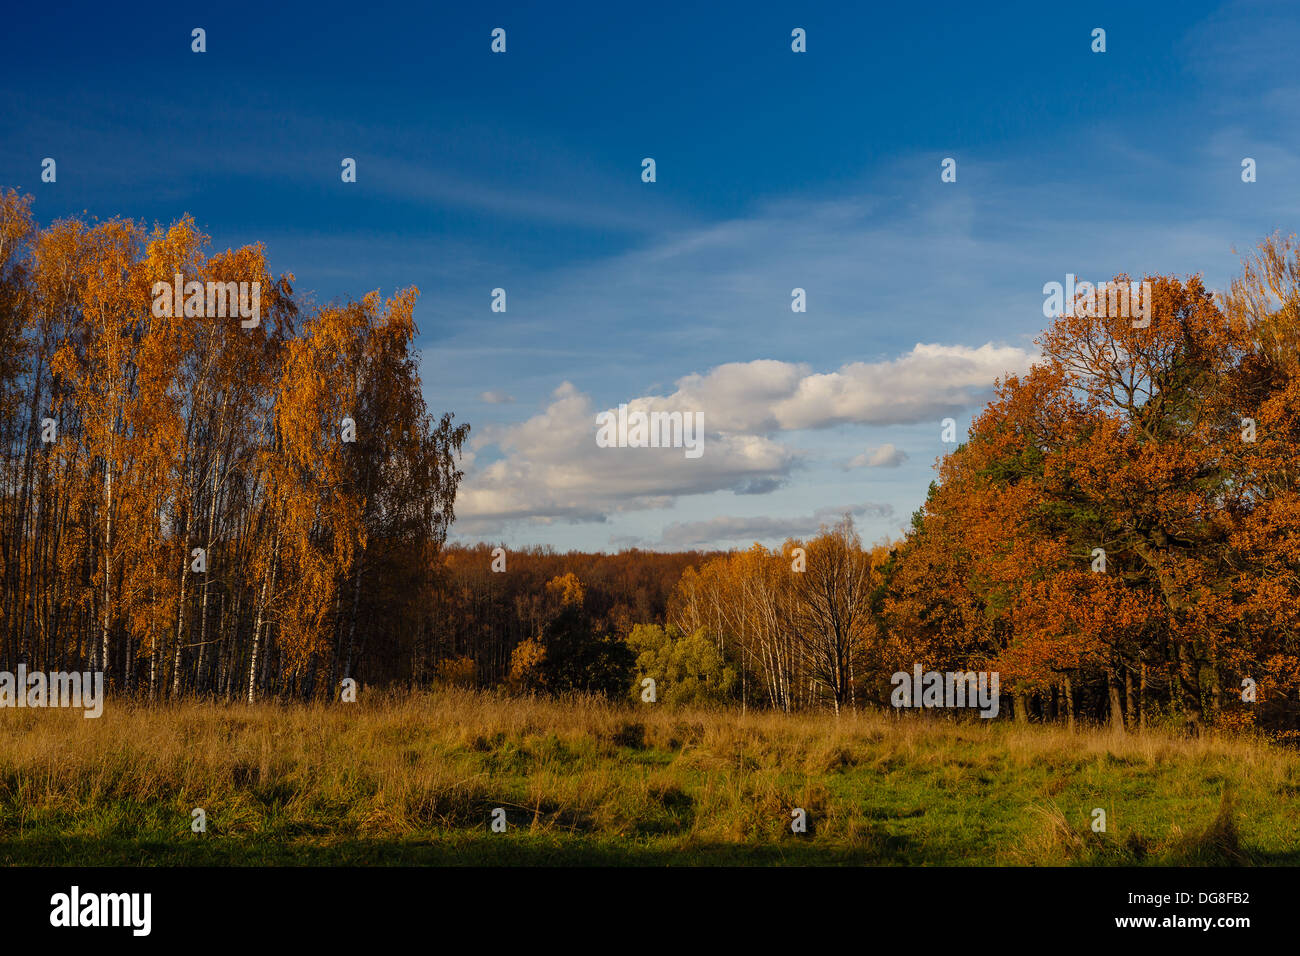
(687,670)
(457,672)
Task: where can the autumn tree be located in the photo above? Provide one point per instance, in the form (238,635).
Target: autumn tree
(181,507)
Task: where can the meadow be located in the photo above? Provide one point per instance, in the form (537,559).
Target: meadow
(414,779)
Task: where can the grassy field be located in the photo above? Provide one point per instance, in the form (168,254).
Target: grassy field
(414,781)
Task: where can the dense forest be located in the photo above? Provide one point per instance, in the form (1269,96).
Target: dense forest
(204,506)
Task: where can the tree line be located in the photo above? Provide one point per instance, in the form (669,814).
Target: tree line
(483,615)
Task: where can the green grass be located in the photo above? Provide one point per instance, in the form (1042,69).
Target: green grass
(414,781)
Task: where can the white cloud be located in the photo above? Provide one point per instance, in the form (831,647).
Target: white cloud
(765,395)
(886,456)
(552,469)
(926,383)
(496,398)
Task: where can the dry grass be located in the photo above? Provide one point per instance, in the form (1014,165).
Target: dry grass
(584,776)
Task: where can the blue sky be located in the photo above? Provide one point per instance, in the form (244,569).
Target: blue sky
(775,170)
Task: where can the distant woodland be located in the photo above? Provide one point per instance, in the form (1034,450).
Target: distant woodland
(204,509)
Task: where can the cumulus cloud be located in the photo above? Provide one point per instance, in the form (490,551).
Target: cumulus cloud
(496,398)
(926,383)
(550,467)
(886,456)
